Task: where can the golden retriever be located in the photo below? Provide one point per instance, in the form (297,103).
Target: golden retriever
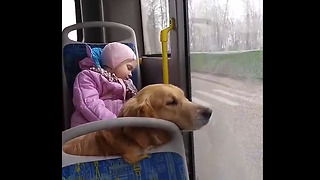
(161,101)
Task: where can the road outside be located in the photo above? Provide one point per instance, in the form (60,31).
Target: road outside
(230,146)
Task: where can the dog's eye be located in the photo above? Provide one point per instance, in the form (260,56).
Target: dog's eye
(172,102)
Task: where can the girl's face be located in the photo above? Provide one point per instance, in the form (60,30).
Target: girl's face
(124,70)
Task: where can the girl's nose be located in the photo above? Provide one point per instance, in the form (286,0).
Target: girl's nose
(130,74)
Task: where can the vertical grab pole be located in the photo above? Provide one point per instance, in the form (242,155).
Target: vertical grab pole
(164,40)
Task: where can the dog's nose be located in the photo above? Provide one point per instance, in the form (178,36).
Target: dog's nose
(206,113)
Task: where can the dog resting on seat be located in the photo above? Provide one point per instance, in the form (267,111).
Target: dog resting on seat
(161,101)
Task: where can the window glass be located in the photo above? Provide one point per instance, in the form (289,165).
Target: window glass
(226,59)
(69,17)
(155,17)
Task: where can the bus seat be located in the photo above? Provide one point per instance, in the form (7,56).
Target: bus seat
(73,52)
(165,162)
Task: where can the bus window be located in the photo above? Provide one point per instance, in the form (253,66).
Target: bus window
(225,39)
(69,17)
(155,17)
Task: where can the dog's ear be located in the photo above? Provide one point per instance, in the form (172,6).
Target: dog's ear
(129,108)
(145,110)
(133,108)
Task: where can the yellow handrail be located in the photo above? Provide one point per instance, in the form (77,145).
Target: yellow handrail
(164,40)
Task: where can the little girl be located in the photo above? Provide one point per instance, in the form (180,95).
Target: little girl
(104,83)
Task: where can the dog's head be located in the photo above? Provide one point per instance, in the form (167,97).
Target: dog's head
(166,101)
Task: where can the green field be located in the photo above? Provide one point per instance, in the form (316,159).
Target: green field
(246,64)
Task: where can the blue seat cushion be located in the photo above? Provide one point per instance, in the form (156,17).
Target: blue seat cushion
(163,165)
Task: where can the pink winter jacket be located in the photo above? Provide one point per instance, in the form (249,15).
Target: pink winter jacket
(94,97)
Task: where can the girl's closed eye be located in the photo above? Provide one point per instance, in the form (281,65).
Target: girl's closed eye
(130,68)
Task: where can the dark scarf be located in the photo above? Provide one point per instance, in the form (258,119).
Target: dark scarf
(131,89)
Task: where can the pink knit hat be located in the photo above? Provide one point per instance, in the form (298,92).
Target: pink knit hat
(115,53)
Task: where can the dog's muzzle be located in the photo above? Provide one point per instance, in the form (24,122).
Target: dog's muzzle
(202,117)
(206,113)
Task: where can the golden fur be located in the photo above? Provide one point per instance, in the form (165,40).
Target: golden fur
(162,101)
